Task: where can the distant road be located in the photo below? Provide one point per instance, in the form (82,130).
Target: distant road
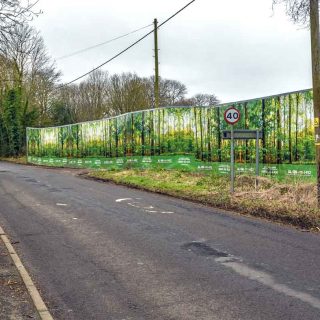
(101,251)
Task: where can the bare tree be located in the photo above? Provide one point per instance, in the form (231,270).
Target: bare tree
(171,92)
(297,10)
(29,68)
(93,96)
(25,49)
(127,92)
(204,100)
(101,96)
(185,102)
(63,105)
(15,12)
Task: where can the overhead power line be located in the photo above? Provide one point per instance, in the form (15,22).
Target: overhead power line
(126,49)
(101,44)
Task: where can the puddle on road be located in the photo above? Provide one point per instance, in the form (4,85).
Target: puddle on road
(203,249)
(31,180)
(54,190)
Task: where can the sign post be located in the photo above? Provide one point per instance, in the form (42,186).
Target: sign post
(241,134)
(232,161)
(257,158)
(232,116)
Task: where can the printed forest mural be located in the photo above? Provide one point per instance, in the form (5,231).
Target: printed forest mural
(286,122)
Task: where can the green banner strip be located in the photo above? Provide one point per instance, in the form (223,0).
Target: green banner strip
(182,162)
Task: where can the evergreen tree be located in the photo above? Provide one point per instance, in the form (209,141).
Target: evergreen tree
(12,123)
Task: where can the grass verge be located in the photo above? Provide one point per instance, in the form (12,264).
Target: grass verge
(290,203)
(19,160)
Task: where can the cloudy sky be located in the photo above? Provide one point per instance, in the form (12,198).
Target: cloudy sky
(234,49)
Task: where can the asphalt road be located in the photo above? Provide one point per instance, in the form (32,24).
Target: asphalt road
(101,251)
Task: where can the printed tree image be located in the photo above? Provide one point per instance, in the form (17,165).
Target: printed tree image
(285,121)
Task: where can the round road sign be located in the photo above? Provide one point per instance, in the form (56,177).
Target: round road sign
(232,115)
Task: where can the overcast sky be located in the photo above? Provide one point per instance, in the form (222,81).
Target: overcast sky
(234,49)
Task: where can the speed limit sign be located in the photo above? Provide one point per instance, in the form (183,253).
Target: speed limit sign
(232,115)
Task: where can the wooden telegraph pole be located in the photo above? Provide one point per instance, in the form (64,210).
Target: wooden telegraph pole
(156,65)
(315,54)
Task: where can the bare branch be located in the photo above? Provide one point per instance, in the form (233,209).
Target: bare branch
(16,12)
(297,10)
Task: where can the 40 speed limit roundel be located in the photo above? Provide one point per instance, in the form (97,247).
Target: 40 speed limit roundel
(232,115)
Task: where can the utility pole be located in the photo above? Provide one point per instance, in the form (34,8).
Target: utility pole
(156,65)
(315,54)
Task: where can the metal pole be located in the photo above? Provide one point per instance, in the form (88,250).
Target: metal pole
(232,161)
(257,159)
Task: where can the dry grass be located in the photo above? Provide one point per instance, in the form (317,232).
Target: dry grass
(293,203)
(19,160)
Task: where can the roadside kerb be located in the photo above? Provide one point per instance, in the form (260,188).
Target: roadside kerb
(33,291)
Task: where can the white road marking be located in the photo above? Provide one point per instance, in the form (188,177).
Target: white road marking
(139,205)
(267,280)
(124,199)
(75,218)
(133,205)
(61,204)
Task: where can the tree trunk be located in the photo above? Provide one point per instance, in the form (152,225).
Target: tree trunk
(315,53)
(246,126)
(77,141)
(201,133)
(284,133)
(116,136)
(219,135)
(124,133)
(296,133)
(142,135)
(264,144)
(196,129)
(110,140)
(151,133)
(278,131)
(209,133)
(159,131)
(163,137)
(132,135)
(290,131)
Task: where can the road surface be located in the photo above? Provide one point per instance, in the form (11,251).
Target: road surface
(101,251)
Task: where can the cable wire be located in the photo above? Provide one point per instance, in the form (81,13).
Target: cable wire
(100,44)
(126,49)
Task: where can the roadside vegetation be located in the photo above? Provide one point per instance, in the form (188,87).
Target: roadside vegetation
(286,202)
(18,159)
